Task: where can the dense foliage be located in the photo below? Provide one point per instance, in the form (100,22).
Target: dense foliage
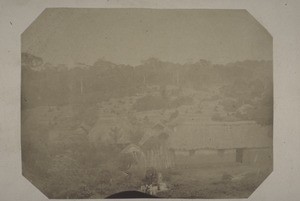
(44,84)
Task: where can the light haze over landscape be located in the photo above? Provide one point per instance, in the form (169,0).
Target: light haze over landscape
(162,103)
(67,36)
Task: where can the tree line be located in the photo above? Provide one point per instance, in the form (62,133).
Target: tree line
(45,84)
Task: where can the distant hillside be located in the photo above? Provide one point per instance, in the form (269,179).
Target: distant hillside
(45,84)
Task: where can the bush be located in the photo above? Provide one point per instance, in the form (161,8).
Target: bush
(217,117)
(230,105)
(150,102)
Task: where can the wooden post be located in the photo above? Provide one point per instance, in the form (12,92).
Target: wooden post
(239,155)
(81,85)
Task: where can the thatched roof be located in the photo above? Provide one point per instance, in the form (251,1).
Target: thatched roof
(154,131)
(225,135)
(131,148)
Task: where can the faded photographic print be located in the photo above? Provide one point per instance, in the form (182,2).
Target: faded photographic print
(167,103)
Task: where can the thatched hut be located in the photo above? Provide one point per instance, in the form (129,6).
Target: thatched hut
(137,163)
(243,141)
(155,144)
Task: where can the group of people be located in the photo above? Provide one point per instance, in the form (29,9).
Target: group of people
(154,188)
(149,189)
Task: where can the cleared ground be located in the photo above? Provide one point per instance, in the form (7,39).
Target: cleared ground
(215,181)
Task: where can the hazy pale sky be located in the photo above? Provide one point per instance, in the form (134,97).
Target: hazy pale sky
(127,36)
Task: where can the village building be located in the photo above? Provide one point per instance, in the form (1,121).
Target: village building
(187,141)
(195,143)
(152,151)
(155,144)
(137,167)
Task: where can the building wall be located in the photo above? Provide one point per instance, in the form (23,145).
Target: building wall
(206,156)
(191,135)
(160,158)
(203,157)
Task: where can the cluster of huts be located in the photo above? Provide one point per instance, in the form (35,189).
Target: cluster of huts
(186,142)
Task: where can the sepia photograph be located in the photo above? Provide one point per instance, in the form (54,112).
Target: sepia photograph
(163,103)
